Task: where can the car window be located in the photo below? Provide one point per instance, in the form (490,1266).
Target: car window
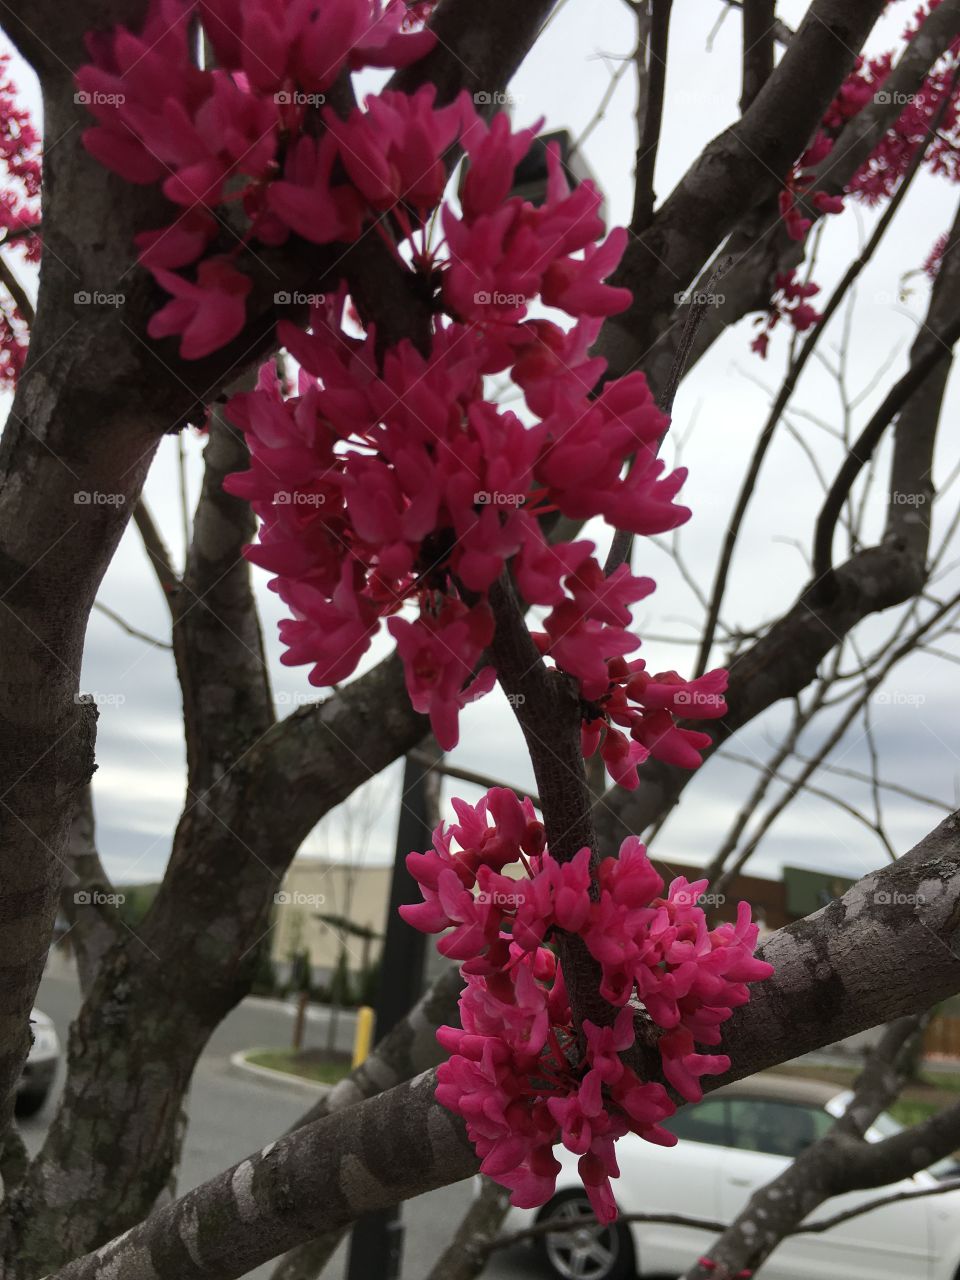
(704,1122)
(776,1128)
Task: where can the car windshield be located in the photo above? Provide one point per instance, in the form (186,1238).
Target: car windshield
(885,1126)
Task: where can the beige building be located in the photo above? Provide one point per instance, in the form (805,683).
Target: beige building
(314,887)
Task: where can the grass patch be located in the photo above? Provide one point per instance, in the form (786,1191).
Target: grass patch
(308,1064)
(912,1110)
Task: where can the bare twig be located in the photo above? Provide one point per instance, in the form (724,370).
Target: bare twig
(653,35)
(129,628)
(940,348)
(470,775)
(10,281)
(157,553)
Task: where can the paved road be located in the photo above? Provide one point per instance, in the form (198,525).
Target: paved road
(231,1115)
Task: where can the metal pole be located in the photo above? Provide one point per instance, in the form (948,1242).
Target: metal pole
(376,1242)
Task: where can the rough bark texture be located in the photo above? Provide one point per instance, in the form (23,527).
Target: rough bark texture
(94,927)
(322,1176)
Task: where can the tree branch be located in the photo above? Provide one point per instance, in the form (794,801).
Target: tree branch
(861,960)
(447,770)
(129,628)
(759,34)
(10,281)
(936,348)
(653,36)
(408,1048)
(94,925)
(734,172)
(157,552)
(467,1253)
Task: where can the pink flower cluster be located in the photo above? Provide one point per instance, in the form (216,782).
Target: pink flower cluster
(880,174)
(646,709)
(790,302)
(19,210)
(235,145)
(377,486)
(389,478)
(394,480)
(519,1075)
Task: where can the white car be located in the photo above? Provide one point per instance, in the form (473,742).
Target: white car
(733,1142)
(34,1085)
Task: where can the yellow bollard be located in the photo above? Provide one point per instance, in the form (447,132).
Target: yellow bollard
(364,1034)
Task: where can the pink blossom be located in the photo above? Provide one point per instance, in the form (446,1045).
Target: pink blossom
(206,313)
(305,200)
(331,634)
(575,285)
(394,150)
(439,654)
(515,1013)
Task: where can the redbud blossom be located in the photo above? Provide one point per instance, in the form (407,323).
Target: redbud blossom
(516,1073)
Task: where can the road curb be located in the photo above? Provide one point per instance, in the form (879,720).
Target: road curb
(276,1079)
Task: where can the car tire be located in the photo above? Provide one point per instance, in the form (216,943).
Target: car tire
(594,1252)
(29,1103)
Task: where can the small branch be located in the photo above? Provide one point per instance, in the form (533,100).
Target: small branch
(893,657)
(895,787)
(817,1227)
(21,233)
(11,283)
(601,112)
(653,34)
(769,773)
(157,553)
(129,628)
(781,32)
(808,788)
(184,500)
(478,779)
(940,348)
(94,924)
(759,20)
(476,1237)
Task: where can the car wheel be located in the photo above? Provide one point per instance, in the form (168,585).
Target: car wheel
(582,1249)
(28,1104)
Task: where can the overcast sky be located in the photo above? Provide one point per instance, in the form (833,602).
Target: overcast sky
(139,786)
